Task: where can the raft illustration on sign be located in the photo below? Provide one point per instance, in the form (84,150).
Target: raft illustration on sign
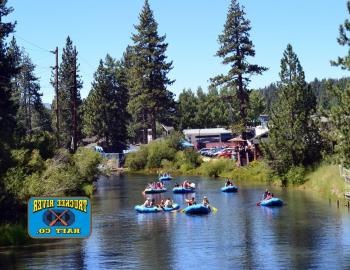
(59,217)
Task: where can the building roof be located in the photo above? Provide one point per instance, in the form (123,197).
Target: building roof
(237,139)
(206,131)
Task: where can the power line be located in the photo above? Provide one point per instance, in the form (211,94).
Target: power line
(32,43)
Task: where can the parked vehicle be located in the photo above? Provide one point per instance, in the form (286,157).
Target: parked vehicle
(226,153)
(203,151)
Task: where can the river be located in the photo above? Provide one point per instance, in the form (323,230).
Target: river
(305,233)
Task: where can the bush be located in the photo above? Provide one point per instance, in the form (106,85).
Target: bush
(256,171)
(168,166)
(12,234)
(45,142)
(65,174)
(174,140)
(296,175)
(157,151)
(137,160)
(216,167)
(86,162)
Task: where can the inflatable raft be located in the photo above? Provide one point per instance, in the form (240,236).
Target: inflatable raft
(229,189)
(197,209)
(182,190)
(165,177)
(143,209)
(272,202)
(155,190)
(175,207)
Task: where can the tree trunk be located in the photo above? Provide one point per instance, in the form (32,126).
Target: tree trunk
(154,127)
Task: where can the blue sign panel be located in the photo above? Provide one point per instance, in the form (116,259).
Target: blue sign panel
(59,217)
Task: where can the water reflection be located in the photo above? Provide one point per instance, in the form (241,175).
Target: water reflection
(305,233)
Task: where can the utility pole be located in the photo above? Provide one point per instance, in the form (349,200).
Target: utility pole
(57,98)
(74,94)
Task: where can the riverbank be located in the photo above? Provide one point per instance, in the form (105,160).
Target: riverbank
(323,179)
(326,181)
(63,174)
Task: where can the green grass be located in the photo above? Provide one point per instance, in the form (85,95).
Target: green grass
(255,172)
(326,181)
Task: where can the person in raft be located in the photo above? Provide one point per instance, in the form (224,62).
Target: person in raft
(191,202)
(168,203)
(153,203)
(161,204)
(147,203)
(205,201)
(228,183)
(265,194)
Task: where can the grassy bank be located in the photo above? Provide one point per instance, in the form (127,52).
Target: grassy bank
(326,181)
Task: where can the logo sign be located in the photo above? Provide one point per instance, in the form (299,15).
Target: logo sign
(59,217)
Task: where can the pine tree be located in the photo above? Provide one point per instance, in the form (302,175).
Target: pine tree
(339,115)
(150,101)
(105,112)
(236,49)
(293,135)
(257,106)
(31,114)
(187,109)
(7,72)
(68,95)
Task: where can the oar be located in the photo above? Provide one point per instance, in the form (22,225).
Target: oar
(258,203)
(214,209)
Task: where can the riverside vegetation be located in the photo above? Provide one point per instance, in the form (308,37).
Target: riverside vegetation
(166,155)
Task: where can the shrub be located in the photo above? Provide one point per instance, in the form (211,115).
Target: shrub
(188,159)
(137,160)
(296,175)
(13,234)
(168,165)
(174,140)
(86,162)
(216,167)
(157,151)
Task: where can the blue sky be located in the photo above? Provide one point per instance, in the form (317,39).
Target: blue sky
(192,28)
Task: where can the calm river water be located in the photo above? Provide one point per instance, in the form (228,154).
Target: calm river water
(305,233)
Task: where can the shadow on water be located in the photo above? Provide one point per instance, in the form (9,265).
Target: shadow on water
(305,233)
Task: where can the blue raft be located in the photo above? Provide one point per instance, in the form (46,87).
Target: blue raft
(182,190)
(229,189)
(143,209)
(197,209)
(272,202)
(165,177)
(155,191)
(168,209)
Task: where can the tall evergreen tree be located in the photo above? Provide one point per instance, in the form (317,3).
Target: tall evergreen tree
(236,49)
(150,101)
(105,112)
(7,106)
(339,115)
(257,106)
(31,114)
(67,95)
(187,109)
(7,72)
(293,135)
